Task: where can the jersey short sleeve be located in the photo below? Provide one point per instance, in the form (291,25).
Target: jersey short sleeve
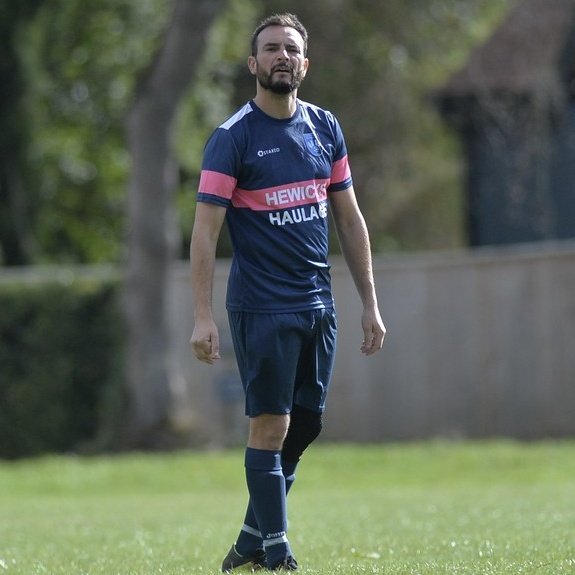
(219,168)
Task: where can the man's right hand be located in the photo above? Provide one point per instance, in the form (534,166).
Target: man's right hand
(205,342)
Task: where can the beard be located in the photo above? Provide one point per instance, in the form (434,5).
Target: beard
(281,86)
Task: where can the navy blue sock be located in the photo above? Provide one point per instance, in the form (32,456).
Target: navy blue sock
(267,488)
(250,537)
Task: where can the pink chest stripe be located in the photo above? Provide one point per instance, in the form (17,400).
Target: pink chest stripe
(281,197)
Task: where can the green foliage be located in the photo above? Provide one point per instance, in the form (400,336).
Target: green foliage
(61,347)
(373,63)
(81,60)
(211,100)
(15,132)
(488,508)
(375,66)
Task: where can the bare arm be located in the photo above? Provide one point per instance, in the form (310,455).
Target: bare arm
(355,246)
(207,226)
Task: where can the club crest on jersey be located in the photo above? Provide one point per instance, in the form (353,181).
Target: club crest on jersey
(312,144)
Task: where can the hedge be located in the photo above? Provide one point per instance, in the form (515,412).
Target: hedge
(61,365)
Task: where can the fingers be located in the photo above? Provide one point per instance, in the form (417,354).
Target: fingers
(373,340)
(206,349)
(215,346)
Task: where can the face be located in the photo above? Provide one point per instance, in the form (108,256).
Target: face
(280,64)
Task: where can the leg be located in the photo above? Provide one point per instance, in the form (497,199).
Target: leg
(266,484)
(269,378)
(265,523)
(304,426)
(271,441)
(268,431)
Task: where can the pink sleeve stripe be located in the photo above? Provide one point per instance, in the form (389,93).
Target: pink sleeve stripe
(340,171)
(217,184)
(282,197)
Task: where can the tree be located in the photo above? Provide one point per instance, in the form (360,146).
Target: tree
(67,75)
(374,64)
(153,232)
(67,72)
(70,68)
(16,244)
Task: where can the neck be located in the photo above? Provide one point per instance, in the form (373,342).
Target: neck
(280,106)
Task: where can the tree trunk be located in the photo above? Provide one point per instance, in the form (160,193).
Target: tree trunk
(153,230)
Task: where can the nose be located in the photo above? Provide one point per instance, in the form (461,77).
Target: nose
(283,53)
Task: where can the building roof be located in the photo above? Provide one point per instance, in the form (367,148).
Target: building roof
(532,50)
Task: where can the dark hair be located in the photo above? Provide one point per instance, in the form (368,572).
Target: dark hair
(286,19)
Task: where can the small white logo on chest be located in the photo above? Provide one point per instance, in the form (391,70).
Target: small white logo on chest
(262,153)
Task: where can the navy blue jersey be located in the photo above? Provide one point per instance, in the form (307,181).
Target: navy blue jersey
(274,177)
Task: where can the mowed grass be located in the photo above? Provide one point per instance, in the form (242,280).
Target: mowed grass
(427,509)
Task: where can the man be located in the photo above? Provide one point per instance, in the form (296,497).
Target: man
(270,171)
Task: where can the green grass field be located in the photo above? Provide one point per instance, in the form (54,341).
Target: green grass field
(425,509)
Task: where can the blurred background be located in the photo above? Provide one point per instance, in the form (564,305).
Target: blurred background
(459,118)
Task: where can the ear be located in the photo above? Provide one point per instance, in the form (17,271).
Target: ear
(304,66)
(252,65)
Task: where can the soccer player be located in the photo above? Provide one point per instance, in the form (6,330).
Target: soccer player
(271,171)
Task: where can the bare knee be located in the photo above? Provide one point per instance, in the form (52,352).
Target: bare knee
(268,431)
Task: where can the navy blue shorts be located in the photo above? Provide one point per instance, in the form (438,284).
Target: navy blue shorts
(284,358)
